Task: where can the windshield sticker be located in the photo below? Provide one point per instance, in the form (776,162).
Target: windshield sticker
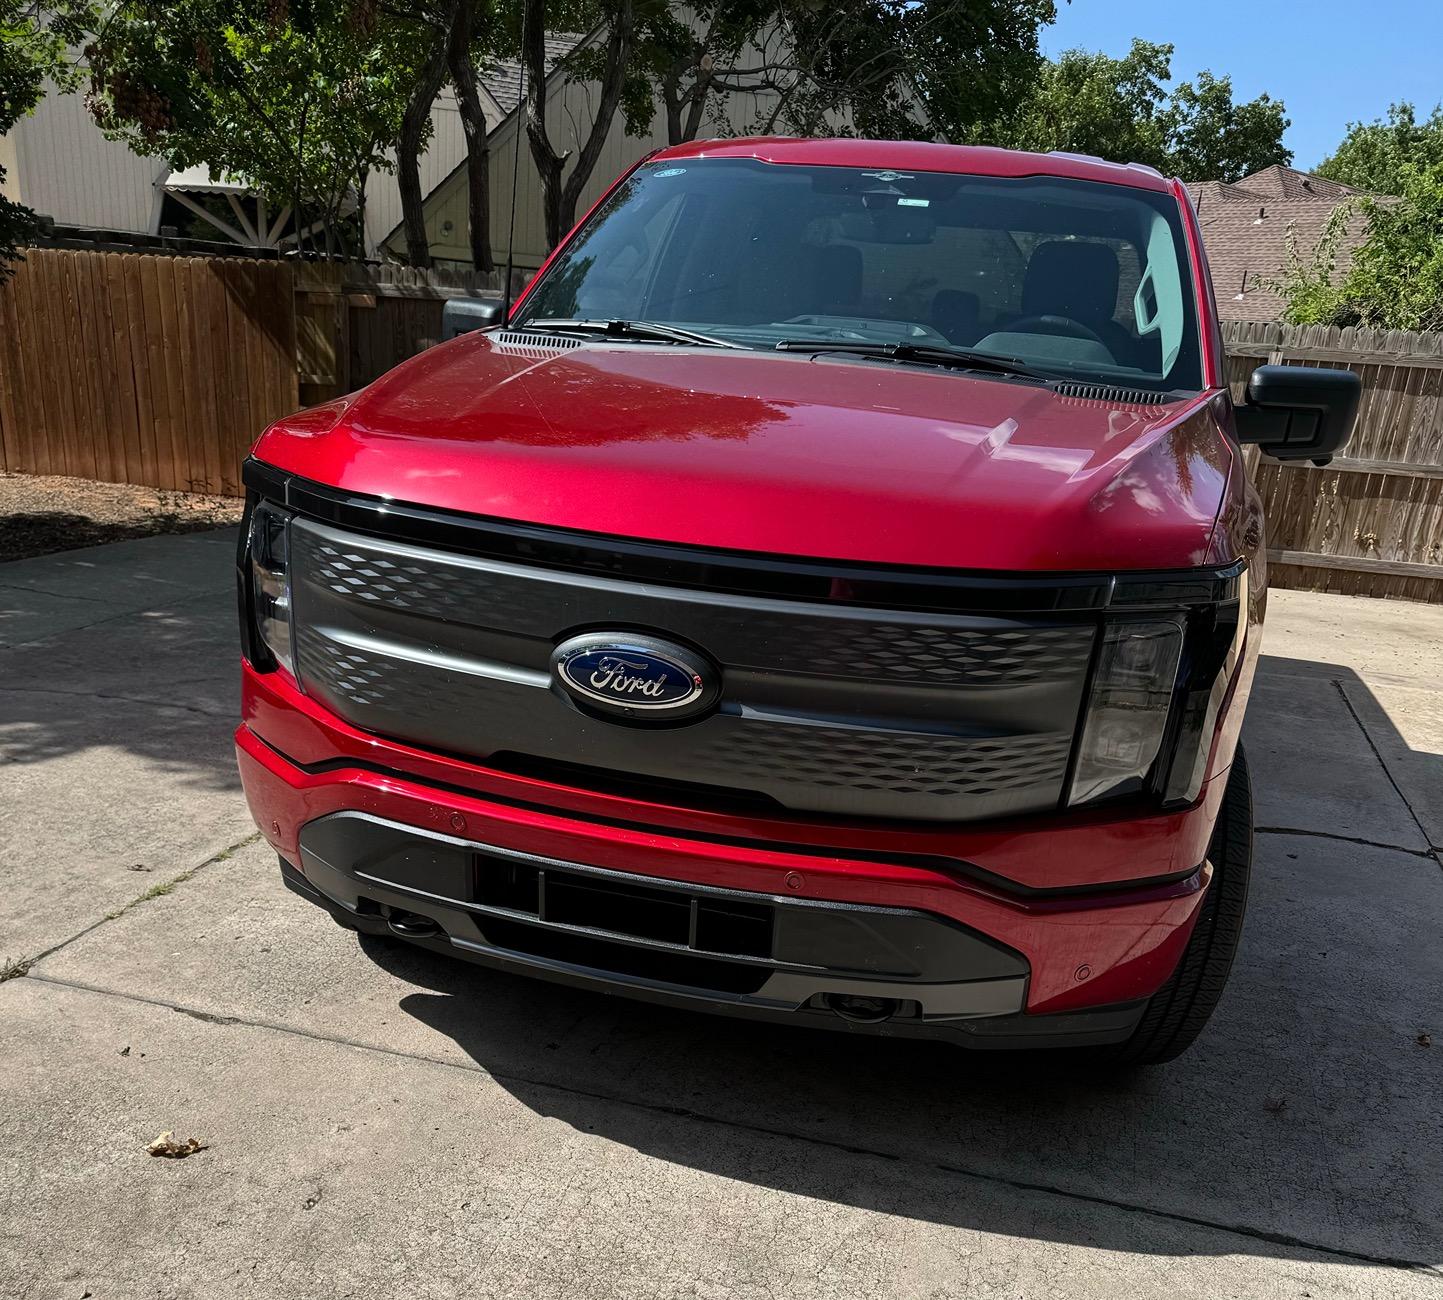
(914,203)
(671,171)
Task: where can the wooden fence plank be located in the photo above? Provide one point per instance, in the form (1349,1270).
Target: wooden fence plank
(140,354)
(14,430)
(123,332)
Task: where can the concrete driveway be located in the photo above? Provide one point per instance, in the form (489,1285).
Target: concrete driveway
(382,1122)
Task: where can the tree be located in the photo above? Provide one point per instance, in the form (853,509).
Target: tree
(300,100)
(35,44)
(454,35)
(1373,156)
(1210,137)
(608,63)
(1122,109)
(1090,103)
(1396,278)
(888,68)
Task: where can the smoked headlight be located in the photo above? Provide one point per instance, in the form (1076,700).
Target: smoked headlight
(266,589)
(1127,709)
(1157,692)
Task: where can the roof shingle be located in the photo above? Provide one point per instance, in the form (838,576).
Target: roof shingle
(1246,227)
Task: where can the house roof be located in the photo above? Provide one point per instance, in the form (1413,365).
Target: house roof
(1279,182)
(1246,227)
(503,79)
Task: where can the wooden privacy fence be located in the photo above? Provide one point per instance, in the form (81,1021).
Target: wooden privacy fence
(1371,523)
(160,370)
(142,369)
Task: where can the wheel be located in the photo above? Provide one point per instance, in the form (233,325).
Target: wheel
(1178,1011)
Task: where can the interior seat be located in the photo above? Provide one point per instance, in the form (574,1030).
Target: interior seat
(1078,280)
(837,269)
(957,315)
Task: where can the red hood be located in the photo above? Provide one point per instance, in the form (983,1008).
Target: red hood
(777,453)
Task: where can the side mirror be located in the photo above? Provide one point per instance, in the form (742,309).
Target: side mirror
(1299,413)
(462,315)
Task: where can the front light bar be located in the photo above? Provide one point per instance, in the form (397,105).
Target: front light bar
(1127,710)
(266,588)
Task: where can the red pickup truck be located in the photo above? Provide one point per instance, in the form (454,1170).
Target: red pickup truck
(831,596)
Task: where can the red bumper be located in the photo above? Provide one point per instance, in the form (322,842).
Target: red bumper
(1071,893)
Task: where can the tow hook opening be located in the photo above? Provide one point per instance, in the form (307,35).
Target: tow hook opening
(862,1010)
(411,925)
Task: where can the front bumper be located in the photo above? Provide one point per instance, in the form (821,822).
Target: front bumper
(1095,950)
(644,935)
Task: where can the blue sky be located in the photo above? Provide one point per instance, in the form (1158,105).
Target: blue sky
(1331,62)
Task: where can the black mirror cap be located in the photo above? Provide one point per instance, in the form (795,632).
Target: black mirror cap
(462,315)
(1299,412)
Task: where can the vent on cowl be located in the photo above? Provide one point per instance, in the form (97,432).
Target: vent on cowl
(534,344)
(1108,393)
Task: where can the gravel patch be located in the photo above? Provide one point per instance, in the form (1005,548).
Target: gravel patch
(43,514)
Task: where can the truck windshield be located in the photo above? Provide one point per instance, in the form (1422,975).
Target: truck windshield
(1074,278)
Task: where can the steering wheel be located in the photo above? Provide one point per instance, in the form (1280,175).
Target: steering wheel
(1063,325)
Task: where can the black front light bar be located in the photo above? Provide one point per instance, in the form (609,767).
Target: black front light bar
(265,587)
(1213,648)
(1157,688)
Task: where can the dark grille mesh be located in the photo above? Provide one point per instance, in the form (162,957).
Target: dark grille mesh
(823,709)
(843,758)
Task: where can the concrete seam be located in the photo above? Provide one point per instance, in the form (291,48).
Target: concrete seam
(122,699)
(57,595)
(1345,839)
(100,622)
(681,1112)
(1435,851)
(155,891)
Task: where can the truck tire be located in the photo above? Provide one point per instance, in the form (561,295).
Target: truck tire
(1178,1011)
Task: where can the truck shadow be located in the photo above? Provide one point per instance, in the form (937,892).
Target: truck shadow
(1304,1123)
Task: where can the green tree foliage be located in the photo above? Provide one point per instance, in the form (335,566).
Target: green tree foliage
(1122,109)
(1374,155)
(300,99)
(898,69)
(1396,277)
(35,45)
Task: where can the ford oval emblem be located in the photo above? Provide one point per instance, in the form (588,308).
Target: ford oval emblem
(635,677)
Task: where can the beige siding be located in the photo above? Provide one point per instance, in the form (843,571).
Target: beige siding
(444,152)
(570,109)
(10,165)
(68,170)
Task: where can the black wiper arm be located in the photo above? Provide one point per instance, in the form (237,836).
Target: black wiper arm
(930,353)
(631,329)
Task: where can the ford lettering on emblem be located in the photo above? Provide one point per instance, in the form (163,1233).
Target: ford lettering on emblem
(635,677)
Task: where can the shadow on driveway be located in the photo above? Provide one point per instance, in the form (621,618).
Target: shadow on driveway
(1305,1119)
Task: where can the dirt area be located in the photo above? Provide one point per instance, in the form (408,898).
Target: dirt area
(39,515)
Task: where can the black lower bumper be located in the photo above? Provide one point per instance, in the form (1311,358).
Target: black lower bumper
(830,965)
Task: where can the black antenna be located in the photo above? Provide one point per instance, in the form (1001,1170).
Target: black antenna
(515,171)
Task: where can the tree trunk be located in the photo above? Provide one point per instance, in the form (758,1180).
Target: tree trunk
(548,161)
(613,82)
(408,154)
(473,125)
(698,104)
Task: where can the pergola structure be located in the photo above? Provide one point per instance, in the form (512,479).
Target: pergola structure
(252,227)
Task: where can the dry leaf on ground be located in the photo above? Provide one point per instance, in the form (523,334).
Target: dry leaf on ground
(166,1145)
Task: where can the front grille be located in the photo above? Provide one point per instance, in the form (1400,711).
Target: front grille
(717,925)
(825,709)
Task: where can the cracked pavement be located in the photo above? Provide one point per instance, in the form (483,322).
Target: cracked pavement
(383,1122)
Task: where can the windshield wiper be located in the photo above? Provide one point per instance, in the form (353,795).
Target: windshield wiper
(631,329)
(928,353)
